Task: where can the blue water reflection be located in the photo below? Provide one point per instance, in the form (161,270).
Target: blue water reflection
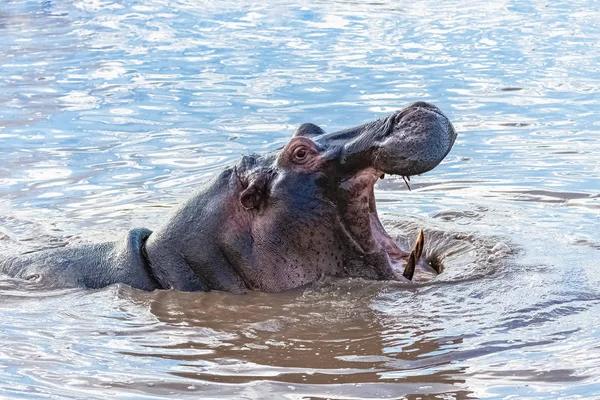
(111,113)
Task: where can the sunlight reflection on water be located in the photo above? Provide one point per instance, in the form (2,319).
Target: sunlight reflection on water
(110,114)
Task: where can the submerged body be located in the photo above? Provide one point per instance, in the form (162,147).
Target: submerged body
(271,222)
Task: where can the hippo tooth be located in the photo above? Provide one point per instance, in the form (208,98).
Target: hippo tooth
(414,256)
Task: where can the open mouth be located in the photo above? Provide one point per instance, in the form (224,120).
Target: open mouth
(409,142)
(363,225)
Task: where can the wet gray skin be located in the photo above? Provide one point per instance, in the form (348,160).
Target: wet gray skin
(272,222)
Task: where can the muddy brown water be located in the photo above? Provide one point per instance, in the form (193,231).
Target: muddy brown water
(111,113)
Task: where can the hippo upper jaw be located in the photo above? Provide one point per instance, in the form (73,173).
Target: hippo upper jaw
(415,140)
(409,142)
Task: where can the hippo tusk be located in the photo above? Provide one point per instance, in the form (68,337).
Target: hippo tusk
(414,256)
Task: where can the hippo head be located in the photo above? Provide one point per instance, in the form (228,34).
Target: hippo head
(282,220)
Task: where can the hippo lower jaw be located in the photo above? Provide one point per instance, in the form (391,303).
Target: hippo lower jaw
(365,230)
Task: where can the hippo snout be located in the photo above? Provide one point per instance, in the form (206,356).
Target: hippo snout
(417,140)
(408,142)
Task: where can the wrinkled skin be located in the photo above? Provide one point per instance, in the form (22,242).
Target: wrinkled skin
(272,222)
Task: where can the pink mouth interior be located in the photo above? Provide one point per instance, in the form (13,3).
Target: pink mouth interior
(362,220)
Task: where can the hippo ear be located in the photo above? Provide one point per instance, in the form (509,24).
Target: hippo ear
(308,130)
(255,195)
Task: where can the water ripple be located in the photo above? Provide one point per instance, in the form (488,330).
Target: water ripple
(111,113)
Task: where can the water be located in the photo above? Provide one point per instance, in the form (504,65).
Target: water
(110,114)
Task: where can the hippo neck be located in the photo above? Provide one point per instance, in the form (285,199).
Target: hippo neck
(168,267)
(184,253)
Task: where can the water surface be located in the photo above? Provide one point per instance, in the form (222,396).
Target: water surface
(111,114)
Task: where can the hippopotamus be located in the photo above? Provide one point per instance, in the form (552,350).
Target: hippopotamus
(271,222)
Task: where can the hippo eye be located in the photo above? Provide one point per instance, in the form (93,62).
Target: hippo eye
(300,151)
(300,154)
